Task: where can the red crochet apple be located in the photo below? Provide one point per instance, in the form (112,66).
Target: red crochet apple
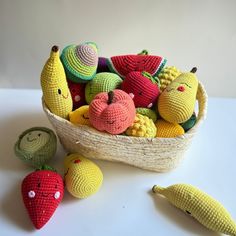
(142,87)
(112,112)
(42,191)
(77,91)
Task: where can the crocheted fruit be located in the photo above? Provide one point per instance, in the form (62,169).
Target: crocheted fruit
(167,75)
(102,82)
(102,65)
(56,93)
(77,91)
(80,61)
(147,112)
(168,130)
(187,125)
(200,205)
(82,176)
(142,87)
(176,103)
(123,65)
(112,112)
(36,146)
(80,116)
(42,192)
(142,127)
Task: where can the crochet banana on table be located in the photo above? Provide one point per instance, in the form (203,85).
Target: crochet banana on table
(200,205)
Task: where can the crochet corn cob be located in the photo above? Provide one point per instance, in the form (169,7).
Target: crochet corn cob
(142,127)
(168,130)
(200,205)
(167,75)
(80,62)
(102,82)
(36,146)
(56,93)
(82,177)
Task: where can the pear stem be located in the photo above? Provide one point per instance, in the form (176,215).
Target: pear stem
(55,48)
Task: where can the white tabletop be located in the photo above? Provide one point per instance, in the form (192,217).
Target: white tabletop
(124,205)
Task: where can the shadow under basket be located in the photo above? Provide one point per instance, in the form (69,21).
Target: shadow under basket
(155,154)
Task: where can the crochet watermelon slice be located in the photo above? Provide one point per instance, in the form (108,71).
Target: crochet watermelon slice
(124,64)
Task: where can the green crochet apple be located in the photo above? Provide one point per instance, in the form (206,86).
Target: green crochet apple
(102,82)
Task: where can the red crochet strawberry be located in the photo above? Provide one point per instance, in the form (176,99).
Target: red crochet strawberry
(42,191)
(77,91)
(142,87)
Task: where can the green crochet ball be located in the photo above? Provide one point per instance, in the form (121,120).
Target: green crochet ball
(147,112)
(189,123)
(102,82)
(36,146)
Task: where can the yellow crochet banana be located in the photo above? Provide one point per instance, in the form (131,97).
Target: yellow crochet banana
(200,205)
(56,93)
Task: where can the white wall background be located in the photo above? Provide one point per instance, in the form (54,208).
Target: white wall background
(188,33)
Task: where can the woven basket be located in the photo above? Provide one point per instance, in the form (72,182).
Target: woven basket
(156,154)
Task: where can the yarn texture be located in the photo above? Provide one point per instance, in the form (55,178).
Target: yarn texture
(56,93)
(147,112)
(200,205)
(82,176)
(36,146)
(80,116)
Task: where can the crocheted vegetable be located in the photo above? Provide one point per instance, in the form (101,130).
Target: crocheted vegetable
(200,205)
(147,112)
(56,93)
(168,130)
(142,87)
(112,112)
(36,146)
(80,116)
(102,65)
(123,65)
(82,177)
(167,75)
(42,192)
(80,61)
(176,103)
(142,127)
(77,91)
(102,82)
(187,125)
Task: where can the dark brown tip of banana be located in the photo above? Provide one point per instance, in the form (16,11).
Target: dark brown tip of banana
(55,48)
(194,69)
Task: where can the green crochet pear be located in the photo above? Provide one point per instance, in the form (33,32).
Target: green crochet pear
(102,82)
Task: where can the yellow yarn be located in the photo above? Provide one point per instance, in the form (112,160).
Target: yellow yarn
(82,177)
(80,116)
(56,93)
(176,103)
(142,127)
(167,75)
(168,130)
(200,205)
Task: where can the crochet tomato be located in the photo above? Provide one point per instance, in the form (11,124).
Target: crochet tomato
(112,112)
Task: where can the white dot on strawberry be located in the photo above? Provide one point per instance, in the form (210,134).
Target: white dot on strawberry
(149,105)
(77,98)
(31,194)
(57,195)
(131,95)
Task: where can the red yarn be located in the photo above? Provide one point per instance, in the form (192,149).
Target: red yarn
(123,65)
(77,91)
(42,191)
(141,88)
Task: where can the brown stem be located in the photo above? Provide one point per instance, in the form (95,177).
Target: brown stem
(110,97)
(194,69)
(55,48)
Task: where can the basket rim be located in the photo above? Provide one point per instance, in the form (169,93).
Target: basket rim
(202,99)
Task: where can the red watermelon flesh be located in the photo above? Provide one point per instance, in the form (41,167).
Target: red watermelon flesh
(123,65)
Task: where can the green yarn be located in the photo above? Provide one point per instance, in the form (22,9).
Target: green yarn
(102,82)
(147,112)
(36,146)
(189,123)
